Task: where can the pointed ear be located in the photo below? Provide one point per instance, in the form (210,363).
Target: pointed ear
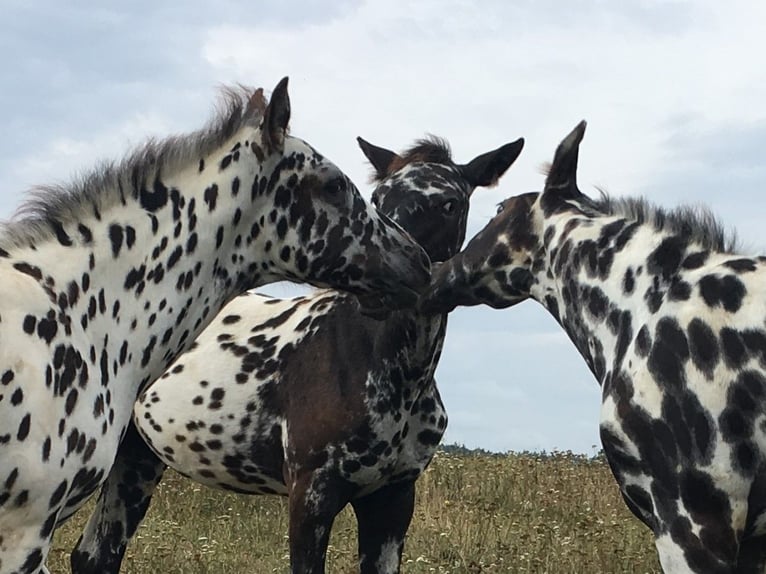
(562,176)
(487,168)
(277,117)
(380,158)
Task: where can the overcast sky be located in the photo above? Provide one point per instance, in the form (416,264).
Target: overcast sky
(674,94)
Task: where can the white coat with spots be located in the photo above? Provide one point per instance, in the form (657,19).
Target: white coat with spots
(672,322)
(105,282)
(311,397)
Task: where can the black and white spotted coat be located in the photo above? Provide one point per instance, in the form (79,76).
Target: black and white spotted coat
(105,282)
(313,398)
(672,322)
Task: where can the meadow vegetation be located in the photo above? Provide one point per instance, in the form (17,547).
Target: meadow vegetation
(475,514)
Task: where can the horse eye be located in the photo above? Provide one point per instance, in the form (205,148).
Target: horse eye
(499,208)
(334,186)
(374,201)
(448,206)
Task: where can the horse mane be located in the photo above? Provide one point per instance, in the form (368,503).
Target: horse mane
(696,222)
(47,207)
(431,149)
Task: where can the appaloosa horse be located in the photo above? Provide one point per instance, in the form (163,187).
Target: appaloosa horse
(672,322)
(310,397)
(106,281)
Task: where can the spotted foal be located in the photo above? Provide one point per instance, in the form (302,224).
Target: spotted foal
(106,281)
(311,397)
(670,320)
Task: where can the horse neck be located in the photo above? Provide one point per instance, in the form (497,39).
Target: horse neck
(420,338)
(138,281)
(432,330)
(594,277)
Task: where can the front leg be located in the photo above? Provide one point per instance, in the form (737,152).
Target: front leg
(122,504)
(752,555)
(384,517)
(315,501)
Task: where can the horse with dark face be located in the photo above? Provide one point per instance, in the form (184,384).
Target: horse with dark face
(311,397)
(107,281)
(670,319)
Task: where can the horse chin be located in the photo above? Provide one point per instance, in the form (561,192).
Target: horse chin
(498,305)
(501,302)
(434,306)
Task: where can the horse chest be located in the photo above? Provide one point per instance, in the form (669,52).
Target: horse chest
(400,446)
(425,422)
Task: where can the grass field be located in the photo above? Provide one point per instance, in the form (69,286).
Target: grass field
(475,514)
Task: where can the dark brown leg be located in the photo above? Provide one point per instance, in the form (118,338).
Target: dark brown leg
(384,517)
(752,556)
(314,503)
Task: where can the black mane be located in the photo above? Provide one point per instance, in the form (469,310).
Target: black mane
(48,206)
(695,222)
(431,149)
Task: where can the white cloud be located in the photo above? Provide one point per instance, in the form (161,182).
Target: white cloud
(672,91)
(482,76)
(67,155)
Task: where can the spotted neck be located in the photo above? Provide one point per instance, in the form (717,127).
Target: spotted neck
(143,275)
(603,278)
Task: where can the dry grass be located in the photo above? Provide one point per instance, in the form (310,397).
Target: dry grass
(475,514)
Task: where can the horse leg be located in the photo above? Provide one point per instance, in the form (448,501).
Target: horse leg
(25,541)
(314,504)
(685,548)
(752,555)
(27,558)
(122,504)
(384,517)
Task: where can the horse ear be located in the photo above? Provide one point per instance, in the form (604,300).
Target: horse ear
(562,176)
(277,117)
(380,158)
(486,169)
